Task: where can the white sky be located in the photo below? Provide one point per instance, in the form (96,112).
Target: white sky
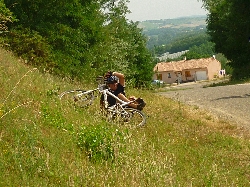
(163,9)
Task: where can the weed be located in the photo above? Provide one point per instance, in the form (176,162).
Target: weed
(13,109)
(31,70)
(54,118)
(53,92)
(227,82)
(99,142)
(3,113)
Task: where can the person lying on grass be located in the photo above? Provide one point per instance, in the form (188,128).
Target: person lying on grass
(116,85)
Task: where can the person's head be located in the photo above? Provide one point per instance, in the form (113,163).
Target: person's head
(112,82)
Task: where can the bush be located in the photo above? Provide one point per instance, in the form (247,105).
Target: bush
(5,16)
(30,46)
(54,118)
(99,142)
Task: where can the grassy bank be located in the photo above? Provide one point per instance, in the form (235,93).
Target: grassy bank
(45,143)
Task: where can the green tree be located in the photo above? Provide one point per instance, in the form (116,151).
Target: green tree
(81,38)
(71,28)
(5,16)
(124,48)
(224,63)
(183,42)
(229,28)
(204,50)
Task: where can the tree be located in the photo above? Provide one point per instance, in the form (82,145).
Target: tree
(204,50)
(81,39)
(5,16)
(71,28)
(224,63)
(229,28)
(183,42)
(125,48)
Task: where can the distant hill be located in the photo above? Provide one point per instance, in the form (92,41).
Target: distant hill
(177,23)
(174,35)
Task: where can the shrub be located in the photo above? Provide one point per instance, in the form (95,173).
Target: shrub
(30,46)
(54,118)
(5,16)
(99,142)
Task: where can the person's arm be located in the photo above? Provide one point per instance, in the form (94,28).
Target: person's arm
(121,78)
(124,98)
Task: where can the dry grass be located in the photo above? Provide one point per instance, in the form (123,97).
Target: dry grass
(180,146)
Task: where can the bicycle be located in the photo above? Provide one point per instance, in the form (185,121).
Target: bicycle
(119,112)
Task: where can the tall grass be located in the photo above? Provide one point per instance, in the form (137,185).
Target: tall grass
(46,143)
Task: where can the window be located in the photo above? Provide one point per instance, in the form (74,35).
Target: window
(169,75)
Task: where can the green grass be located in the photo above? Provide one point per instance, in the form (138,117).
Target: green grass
(46,143)
(228,81)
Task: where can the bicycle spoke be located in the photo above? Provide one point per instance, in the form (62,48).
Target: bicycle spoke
(134,118)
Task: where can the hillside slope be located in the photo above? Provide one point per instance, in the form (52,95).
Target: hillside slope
(46,143)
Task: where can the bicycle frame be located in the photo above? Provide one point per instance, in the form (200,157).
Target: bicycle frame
(122,103)
(119,111)
(106,92)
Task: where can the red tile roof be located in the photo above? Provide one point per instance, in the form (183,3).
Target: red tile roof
(183,64)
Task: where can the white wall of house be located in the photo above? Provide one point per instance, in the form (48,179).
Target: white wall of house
(209,72)
(166,76)
(191,74)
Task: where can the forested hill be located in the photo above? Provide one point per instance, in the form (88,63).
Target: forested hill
(174,35)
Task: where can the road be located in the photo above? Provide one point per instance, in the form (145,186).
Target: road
(230,102)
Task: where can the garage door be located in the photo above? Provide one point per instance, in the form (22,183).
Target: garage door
(201,75)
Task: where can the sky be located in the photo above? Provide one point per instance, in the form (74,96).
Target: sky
(143,10)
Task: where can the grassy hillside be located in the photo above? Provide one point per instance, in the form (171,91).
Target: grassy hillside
(46,143)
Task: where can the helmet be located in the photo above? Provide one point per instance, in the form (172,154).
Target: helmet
(112,79)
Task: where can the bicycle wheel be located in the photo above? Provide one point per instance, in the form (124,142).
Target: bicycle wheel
(80,98)
(134,117)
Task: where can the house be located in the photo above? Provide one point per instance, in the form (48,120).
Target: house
(187,70)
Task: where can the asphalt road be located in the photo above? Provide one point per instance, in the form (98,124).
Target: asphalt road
(230,102)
